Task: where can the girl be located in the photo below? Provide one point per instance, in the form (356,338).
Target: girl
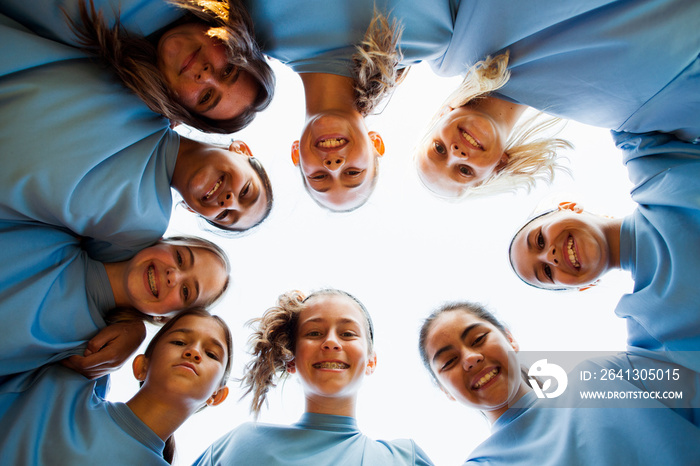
(112,162)
(199,64)
(473,146)
(61,415)
(588,63)
(473,358)
(54,297)
(570,248)
(336,154)
(327,339)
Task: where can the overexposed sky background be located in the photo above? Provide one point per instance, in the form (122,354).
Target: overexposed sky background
(402,254)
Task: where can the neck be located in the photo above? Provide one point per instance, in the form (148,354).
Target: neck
(186,153)
(116,273)
(612,230)
(344,406)
(159,413)
(493,415)
(327,92)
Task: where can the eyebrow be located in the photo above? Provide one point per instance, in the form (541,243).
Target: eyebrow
(461,337)
(321,319)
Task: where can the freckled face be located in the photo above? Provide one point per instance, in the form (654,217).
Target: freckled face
(167,278)
(464,150)
(331,355)
(190,359)
(474,361)
(563,249)
(222,186)
(337,159)
(198,71)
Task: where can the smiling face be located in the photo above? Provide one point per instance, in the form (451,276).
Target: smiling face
(167,278)
(474,362)
(189,360)
(197,70)
(222,186)
(466,147)
(337,157)
(563,249)
(332,354)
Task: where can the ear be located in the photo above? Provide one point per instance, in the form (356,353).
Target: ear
(444,390)
(174,124)
(371,364)
(295,153)
(291,367)
(513,343)
(572,206)
(240,147)
(140,367)
(503,162)
(184,205)
(445,110)
(584,288)
(218,397)
(378,142)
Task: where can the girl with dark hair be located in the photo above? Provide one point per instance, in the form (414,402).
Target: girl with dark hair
(327,340)
(63,417)
(474,359)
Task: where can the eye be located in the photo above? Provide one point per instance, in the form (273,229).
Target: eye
(222,215)
(547,271)
(185,292)
(228,70)
(205,97)
(465,170)
(353,172)
(318,176)
(439,148)
(177,343)
(540,240)
(212,355)
(480,339)
(348,334)
(179,258)
(313,333)
(245,190)
(448,364)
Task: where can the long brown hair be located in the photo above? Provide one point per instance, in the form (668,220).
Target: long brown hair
(133,58)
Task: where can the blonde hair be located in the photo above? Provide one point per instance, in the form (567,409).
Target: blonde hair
(376,63)
(133,59)
(274,341)
(530,158)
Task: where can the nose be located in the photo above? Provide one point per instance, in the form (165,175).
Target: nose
(173,276)
(203,74)
(471,359)
(549,255)
(227,200)
(334,163)
(331,342)
(192,352)
(457,151)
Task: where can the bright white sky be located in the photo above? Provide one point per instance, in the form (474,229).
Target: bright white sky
(402,254)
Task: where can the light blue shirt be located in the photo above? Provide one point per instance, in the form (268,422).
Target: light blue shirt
(79,150)
(317,439)
(628,65)
(53,297)
(660,246)
(63,419)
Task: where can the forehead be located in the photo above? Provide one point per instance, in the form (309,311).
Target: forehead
(201,327)
(332,308)
(448,327)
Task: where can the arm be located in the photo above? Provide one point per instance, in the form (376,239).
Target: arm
(109,349)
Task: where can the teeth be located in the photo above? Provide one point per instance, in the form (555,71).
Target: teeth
(213,190)
(332,143)
(485,379)
(331,365)
(572,252)
(471,140)
(152,281)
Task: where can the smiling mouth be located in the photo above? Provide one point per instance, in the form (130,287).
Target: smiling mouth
(468,137)
(331,143)
(214,189)
(330,365)
(189,61)
(573,257)
(486,379)
(152,280)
